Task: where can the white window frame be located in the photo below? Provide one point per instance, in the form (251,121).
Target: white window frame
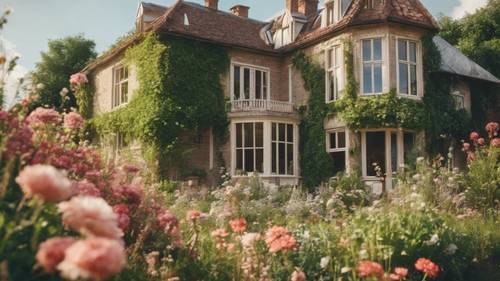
(254,148)
(333,12)
(335,69)
(286,143)
(344,149)
(382,62)
(117,95)
(409,63)
(458,95)
(253,69)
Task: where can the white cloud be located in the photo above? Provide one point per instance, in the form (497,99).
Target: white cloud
(11,80)
(467,7)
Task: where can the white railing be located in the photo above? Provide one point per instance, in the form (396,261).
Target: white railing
(262,105)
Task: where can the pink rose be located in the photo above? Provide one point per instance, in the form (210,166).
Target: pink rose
(492,129)
(78,79)
(51,252)
(474,136)
(495,142)
(45,182)
(86,188)
(42,116)
(91,216)
(168,222)
(93,258)
(298,276)
(481,141)
(73,121)
(123,216)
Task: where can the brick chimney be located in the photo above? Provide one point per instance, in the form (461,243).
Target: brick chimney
(292,6)
(307,7)
(212,4)
(240,11)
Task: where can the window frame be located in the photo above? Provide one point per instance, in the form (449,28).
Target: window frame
(458,94)
(253,69)
(337,149)
(331,71)
(373,63)
(287,144)
(409,63)
(254,148)
(117,96)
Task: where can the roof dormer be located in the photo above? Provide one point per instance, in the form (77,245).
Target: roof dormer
(334,11)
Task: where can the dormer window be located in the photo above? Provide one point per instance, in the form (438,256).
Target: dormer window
(333,10)
(371,4)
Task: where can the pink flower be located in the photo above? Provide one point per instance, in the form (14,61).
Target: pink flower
(42,116)
(427,267)
(278,239)
(466,146)
(298,276)
(73,121)
(193,215)
(495,142)
(131,169)
(238,225)
(91,216)
(471,156)
(168,222)
(370,269)
(78,79)
(492,129)
(481,141)
(474,136)
(219,236)
(132,193)
(93,258)
(45,182)
(123,216)
(86,188)
(399,274)
(51,252)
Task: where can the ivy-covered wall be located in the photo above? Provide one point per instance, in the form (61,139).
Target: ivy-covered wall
(179,91)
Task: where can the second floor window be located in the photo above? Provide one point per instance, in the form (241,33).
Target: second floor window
(372,66)
(250,83)
(120,86)
(334,76)
(407,68)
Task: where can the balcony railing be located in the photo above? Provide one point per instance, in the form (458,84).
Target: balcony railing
(262,105)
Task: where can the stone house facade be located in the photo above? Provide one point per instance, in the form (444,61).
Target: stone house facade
(265,91)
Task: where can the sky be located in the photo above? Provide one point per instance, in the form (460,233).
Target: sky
(34,22)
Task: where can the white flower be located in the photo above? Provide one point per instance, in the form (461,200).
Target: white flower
(345,269)
(433,241)
(420,159)
(363,254)
(249,239)
(324,262)
(451,249)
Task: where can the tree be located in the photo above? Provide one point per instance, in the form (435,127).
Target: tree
(63,58)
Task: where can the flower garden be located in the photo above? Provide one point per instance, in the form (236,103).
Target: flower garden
(67,213)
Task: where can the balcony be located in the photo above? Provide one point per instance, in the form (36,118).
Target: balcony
(262,106)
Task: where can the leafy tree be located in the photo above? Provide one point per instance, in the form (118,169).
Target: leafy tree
(63,58)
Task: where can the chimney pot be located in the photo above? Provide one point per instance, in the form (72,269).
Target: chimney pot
(240,11)
(212,4)
(307,7)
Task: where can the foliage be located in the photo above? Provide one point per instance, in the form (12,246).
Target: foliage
(315,163)
(6,65)
(84,95)
(170,102)
(63,58)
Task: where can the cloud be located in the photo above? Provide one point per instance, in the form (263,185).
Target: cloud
(467,7)
(11,80)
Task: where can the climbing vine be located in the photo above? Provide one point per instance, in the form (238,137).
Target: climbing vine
(179,91)
(84,95)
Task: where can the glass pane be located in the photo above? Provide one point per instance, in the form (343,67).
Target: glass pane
(282,134)
(289,159)
(367,50)
(258,84)
(125,72)
(281,159)
(331,59)
(273,132)
(333,140)
(239,135)
(331,86)
(338,57)
(341,139)
(273,158)
(124,92)
(394,152)
(403,78)
(239,159)
(249,164)
(259,135)
(377,49)
(289,131)
(264,82)
(236,86)
(375,152)
(413,52)
(338,76)
(413,79)
(408,145)
(378,78)
(246,83)
(338,159)
(248,134)
(402,50)
(367,79)
(259,160)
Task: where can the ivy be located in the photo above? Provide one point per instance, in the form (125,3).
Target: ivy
(179,91)
(84,97)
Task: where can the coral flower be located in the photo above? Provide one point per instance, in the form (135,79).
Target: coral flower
(41,116)
(73,121)
(91,216)
(45,182)
(428,267)
(238,225)
(278,239)
(399,274)
(298,276)
(193,215)
(51,252)
(78,79)
(93,258)
(370,269)
(495,142)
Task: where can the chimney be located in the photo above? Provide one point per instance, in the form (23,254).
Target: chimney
(240,11)
(292,6)
(307,7)
(212,4)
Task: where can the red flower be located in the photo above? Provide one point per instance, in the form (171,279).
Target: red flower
(370,269)
(238,225)
(428,267)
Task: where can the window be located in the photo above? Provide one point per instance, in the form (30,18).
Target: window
(407,67)
(250,83)
(459,99)
(370,4)
(334,74)
(409,147)
(372,66)
(120,89)
(337,148)
(250,147)
(375,152)
(120,141)
(329,13)
(282,149)
(334,11)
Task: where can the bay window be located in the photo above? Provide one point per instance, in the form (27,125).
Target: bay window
(120,86)
(337,148)
(250,147)
(334,77)
(282,150)
(249,83)
(407,67)
(372,66)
